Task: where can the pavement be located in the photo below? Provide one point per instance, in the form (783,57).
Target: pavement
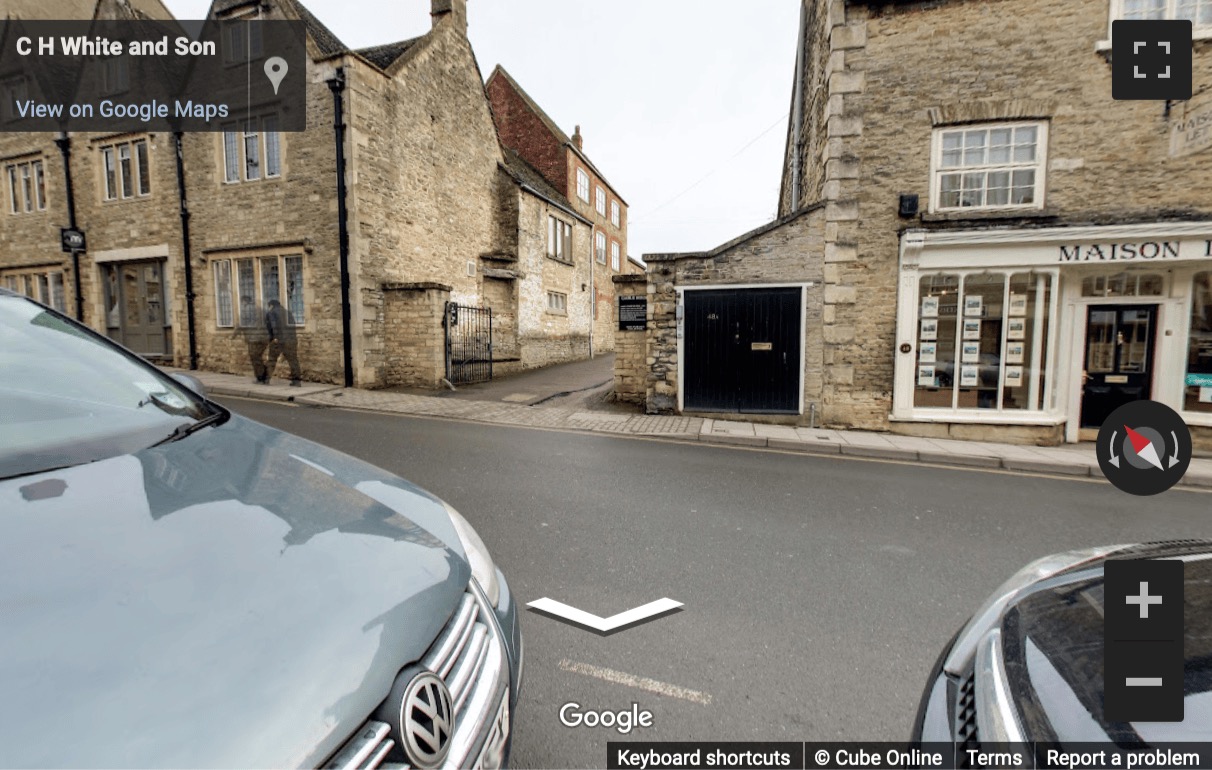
(1072,460)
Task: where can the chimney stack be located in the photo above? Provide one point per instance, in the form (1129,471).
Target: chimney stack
(454,11)
(577,140)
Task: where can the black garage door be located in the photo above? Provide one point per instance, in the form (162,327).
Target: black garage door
(742,350)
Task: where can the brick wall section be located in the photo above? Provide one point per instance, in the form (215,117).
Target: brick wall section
(630,348)
(787,251)
(411,313)
(526,133)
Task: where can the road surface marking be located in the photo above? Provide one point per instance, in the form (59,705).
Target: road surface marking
(638,682)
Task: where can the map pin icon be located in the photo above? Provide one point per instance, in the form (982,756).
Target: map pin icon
(275,70)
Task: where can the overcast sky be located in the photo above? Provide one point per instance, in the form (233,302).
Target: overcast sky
(670,94)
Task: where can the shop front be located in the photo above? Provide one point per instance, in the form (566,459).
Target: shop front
(1051,329)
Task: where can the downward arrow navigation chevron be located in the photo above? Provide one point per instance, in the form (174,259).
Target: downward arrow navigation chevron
(604,625)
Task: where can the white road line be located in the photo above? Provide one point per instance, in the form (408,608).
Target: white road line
(638,682)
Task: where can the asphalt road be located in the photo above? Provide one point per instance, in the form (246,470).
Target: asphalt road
(818,590)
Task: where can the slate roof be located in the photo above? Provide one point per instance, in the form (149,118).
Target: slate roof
(523,173)
(383,56)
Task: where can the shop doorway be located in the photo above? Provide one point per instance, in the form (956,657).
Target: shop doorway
(1118,365)
(134,302)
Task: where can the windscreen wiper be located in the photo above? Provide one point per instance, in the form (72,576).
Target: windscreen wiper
(185,429)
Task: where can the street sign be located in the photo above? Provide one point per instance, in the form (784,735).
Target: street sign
(72,239)
(633,313)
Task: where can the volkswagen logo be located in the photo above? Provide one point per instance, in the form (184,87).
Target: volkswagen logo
(427,720)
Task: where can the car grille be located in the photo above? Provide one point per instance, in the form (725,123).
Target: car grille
(965,719)
(470,657)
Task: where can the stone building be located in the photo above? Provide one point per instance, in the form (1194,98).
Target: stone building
(526,129)
(123,191)
(1007,253)
(436,212)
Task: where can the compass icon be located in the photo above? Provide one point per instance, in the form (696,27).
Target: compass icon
(1144,448)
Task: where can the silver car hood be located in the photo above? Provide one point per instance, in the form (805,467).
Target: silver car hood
(238,598)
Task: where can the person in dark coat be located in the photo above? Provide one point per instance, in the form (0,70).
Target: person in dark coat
(256,335)
(282,341)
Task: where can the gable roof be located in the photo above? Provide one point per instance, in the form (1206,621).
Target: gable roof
(560,136)
(499,71)
(383,56)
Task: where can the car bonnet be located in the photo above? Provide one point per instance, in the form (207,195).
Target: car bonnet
(241,597)
(1053,641)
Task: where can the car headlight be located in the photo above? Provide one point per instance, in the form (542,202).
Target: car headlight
(482,567)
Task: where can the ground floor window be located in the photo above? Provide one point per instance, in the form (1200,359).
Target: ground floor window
(43,284)
(245,286)
(1198,392)
(982,341)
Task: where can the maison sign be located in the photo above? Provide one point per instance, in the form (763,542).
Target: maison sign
(1192,132)
(1154,250)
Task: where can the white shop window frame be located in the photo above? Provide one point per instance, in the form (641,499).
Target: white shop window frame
(908,325)
(1040,165)
(1035,249)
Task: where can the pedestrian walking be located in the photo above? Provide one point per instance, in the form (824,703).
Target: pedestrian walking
(256,335)
(280,325)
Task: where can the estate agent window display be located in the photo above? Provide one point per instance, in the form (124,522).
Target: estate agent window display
(981,341)
(1197,394)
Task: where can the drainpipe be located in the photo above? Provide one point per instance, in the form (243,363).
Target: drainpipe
(64,143)
(186,253)
(593,289)
(797,114)
(337,86)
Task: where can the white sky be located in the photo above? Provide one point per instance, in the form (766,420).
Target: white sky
(666,92)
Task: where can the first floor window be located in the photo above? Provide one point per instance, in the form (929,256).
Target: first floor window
(1198,11)
(223,301)
(127,169)
(997,166)
(982,341)
(244,301)
(252,150)
(44,285)
(1198,385)
(559,239)
(600,248)
(615,215)
(557,302)
(26,186)
(582,185)
(614,256)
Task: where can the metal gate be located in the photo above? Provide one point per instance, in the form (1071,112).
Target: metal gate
(468,343)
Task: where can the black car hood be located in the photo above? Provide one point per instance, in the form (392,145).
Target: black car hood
(238,598)
(1053,646)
